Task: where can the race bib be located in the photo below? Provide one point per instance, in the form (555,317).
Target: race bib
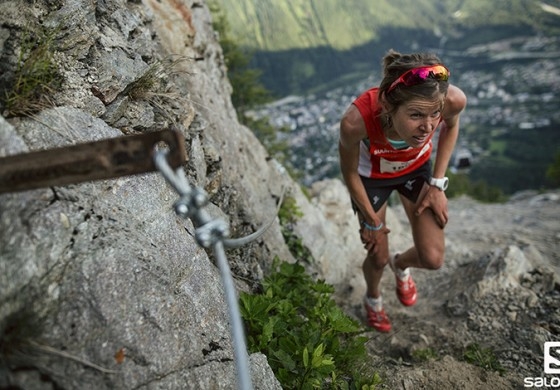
(386,166)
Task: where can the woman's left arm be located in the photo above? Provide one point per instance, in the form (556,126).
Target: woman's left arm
(434,198)
(455,103)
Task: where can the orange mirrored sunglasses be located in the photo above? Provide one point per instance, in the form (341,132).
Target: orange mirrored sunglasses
(419,75)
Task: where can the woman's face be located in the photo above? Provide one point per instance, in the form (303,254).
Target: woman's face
(414,121)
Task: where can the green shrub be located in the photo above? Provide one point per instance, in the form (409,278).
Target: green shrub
(288,215)
(310,343)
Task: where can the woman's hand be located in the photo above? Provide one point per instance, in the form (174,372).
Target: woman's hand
(373,239)
(435,200)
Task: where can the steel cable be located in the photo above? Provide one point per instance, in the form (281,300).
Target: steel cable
(210,233)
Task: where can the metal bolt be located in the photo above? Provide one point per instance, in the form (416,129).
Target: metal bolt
(199,199)
(181,209)
(204,238)
(222,230)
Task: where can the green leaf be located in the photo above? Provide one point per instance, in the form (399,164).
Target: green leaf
(305,357)
(285,360)
(317,360)
(268,329)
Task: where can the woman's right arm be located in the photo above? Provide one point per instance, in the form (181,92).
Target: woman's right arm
(352,131)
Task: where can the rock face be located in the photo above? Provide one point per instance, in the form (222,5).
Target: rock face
(101,285)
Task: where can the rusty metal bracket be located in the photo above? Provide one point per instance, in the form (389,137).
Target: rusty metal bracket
(105,159)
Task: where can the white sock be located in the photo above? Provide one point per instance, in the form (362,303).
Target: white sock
(375,303)
(402,274)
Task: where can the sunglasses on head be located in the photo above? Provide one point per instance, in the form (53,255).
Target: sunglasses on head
(418,75)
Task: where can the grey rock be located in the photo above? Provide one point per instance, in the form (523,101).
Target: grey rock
(102,285)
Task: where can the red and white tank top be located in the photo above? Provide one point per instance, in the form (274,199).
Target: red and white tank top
(378,159)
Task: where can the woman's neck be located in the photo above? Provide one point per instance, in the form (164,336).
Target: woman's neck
(388,129)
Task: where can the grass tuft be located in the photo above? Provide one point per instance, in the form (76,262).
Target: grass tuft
(37,76)
(482,357)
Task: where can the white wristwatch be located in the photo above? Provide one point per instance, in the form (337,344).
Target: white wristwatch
(440,183)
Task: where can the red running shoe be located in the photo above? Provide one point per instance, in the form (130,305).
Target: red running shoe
(406,288)
(377,319)
(406,291)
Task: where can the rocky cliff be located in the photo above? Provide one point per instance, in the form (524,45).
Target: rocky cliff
(103,286)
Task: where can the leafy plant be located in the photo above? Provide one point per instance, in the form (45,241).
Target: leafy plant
(36,77)
(289,211)
(482,357)
(288,215)
(310,343)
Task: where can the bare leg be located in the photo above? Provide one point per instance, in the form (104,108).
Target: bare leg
(429,239)
(374,263)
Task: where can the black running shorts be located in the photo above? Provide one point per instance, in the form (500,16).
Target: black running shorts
(409,186)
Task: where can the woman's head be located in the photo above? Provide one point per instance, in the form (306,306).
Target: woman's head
(403,81)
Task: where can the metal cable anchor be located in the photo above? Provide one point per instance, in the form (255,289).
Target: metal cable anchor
(210,233)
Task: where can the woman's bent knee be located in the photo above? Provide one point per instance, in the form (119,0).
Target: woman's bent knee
(432,259)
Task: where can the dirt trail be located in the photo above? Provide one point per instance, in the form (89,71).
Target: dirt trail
(499,288)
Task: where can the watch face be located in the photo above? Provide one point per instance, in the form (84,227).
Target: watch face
(440,183)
